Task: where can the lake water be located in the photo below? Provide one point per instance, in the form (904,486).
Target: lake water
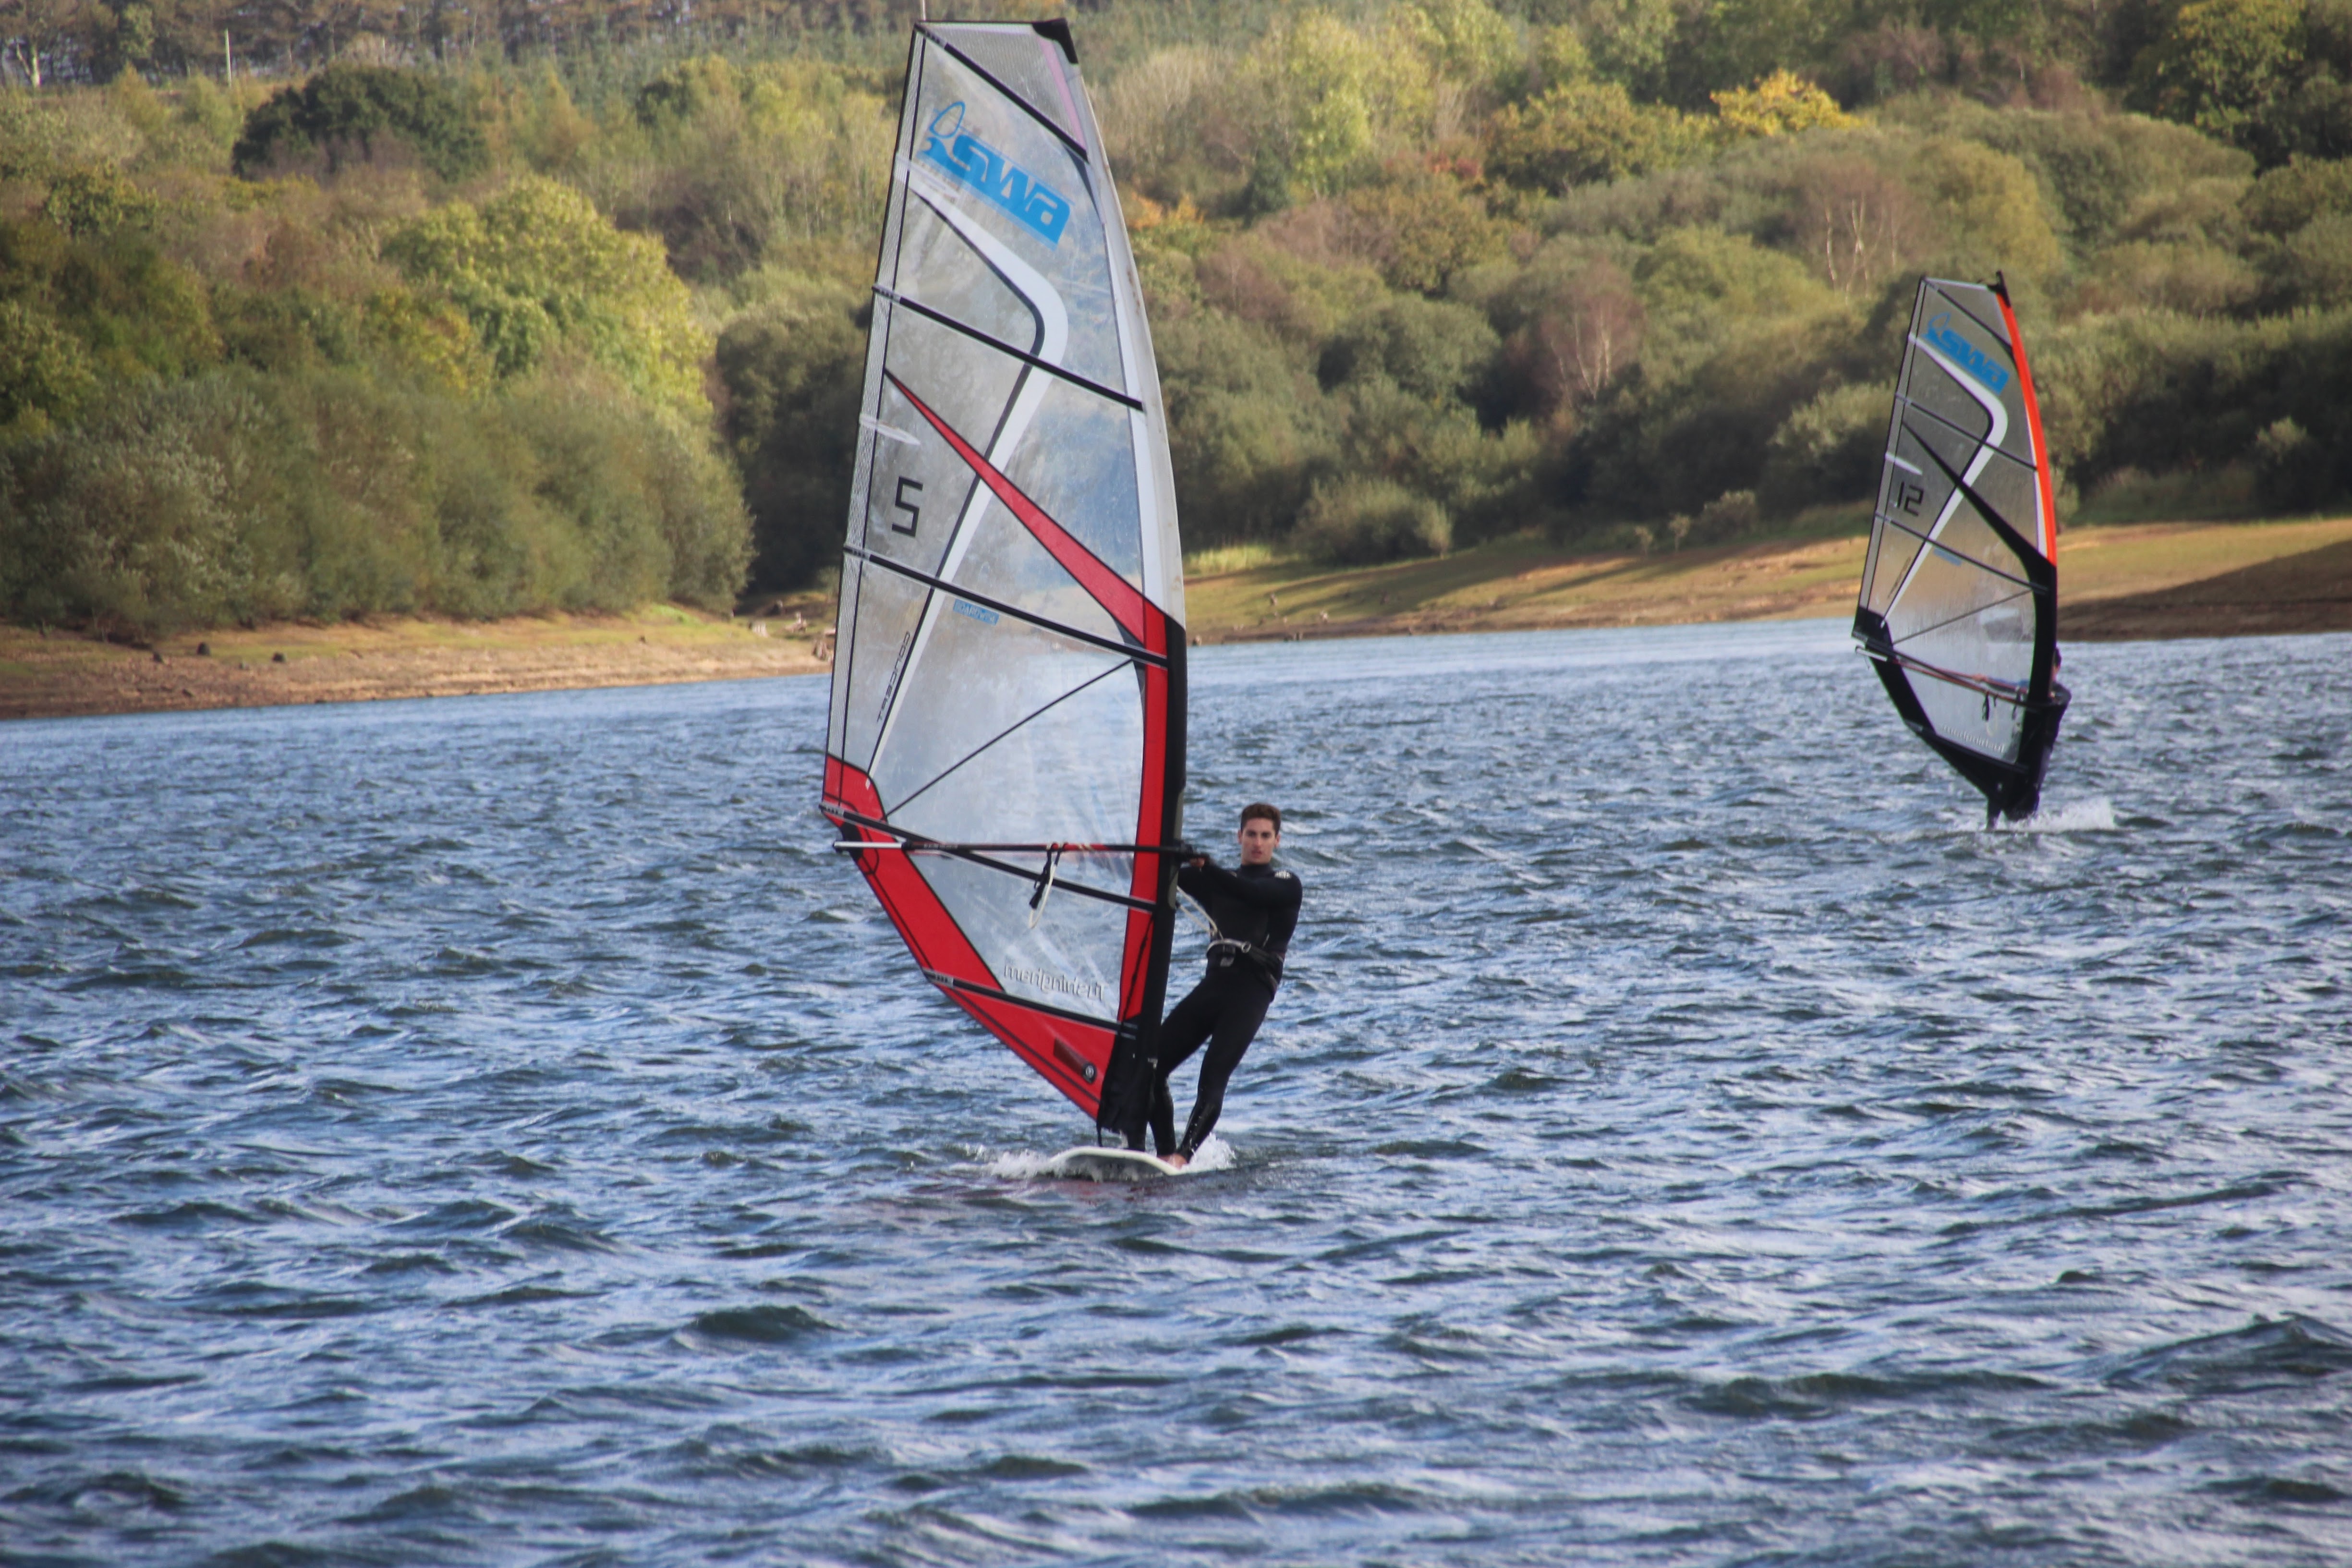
(499,1130)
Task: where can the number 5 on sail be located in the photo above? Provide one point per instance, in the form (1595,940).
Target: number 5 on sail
(1959,609)
(1005,754)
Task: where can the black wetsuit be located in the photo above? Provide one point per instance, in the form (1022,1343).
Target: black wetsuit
(1255,909)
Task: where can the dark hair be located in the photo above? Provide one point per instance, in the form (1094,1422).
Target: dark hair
(1270,814)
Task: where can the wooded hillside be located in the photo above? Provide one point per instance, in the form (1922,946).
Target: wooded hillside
(563,305)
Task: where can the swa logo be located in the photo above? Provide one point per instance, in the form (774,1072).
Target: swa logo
(1964,354)
(1029,201)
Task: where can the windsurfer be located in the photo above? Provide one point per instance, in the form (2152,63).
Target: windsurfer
(1252,910)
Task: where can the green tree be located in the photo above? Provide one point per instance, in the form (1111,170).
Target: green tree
(95,203)
(354,113)
(734,167)
(1466,40)
(1990,209)
(1318,89)
(1424,227)
(794,374)
(1631,42)
(134,311)
(1435,350)
(1249,430)
(2220,61)
(45,371)
(1583,133)
(537,267)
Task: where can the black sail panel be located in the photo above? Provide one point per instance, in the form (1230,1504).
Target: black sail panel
(1005,745)
(1958,605)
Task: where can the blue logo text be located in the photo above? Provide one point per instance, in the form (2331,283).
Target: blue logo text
(1031,202)
(1964,354)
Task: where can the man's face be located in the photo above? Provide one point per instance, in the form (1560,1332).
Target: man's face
(1259,841)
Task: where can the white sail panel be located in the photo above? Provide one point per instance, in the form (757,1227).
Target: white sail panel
(1008,688)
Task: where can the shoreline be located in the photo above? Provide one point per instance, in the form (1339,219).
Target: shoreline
(2116,582)
(2123,581)
(72,675)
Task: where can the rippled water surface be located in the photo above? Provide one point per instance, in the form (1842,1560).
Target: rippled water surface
(499,1130)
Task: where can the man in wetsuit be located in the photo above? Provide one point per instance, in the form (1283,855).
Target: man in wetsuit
(1254,909)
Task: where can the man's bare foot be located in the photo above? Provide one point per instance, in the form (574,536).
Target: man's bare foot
(1177,1161)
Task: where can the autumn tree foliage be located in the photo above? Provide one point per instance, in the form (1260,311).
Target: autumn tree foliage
(477,310)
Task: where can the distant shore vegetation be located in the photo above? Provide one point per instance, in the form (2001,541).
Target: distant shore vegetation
(320,312)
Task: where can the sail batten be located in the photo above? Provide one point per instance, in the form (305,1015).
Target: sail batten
(1958,605)
(1077,634)
(1023,355)
(1009,665)
(939,37)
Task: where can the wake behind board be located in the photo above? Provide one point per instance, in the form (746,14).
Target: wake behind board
(1089,1163)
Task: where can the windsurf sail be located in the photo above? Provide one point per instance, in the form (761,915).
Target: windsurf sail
(1958,608)
(1005,753)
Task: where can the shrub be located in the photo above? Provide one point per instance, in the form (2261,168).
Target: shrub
(2284,199)
(2313,267)
(355,113)
(2291,472)
(1777,105)
(2191,277)
(652,508)
(2160,393)
(1584,133)
(129,520)
(95,203)
(1828,449)
(1727,516)
(1361,521)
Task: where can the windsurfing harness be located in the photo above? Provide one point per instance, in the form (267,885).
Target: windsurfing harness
(1005,752)
(1252,911)
(1959,607)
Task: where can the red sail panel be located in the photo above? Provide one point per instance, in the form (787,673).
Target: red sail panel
(2046,537)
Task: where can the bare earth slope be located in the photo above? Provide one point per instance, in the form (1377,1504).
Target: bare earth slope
(2152,580)
(2310,591)
(1517,584)
(63,673)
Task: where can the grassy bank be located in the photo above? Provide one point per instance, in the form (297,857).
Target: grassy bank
(2141,580)
(65,673)
(1522,584)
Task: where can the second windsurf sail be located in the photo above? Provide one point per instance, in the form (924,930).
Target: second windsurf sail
(1959,607)
(1005,753)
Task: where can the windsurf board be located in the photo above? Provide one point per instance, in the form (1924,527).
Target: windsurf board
(1092,1163)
